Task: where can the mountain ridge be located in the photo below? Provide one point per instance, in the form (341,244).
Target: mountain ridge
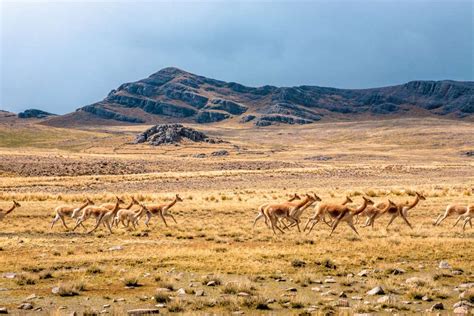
(172,95)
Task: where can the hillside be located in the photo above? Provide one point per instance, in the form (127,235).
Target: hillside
(173,95)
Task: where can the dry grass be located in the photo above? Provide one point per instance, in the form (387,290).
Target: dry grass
(214,239)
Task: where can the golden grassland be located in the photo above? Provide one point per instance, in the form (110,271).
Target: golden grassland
(214,239)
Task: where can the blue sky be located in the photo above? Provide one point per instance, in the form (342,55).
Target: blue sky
(61,55)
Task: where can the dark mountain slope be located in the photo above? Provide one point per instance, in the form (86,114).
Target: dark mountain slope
(173,95)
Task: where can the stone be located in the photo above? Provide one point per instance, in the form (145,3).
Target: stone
(398,271)
(466,285)
(437,306)
(426,298)
(316,289)
(291,289)
(34,113)
(3,310)
(25,306)
(238,313)
(163,289)
(342,303)
(181,292)
(328,293)
(211,283)
(143,311)
(121,299)
(270,301)
(330,280)
(357,298)
(342,294)
(199,293)
(220,153)
(106,306)
(462,310)
(444,265)
(297,263)
(386,299)
(363,273)
(55,290)
(415,281)
(115,248)
(31,297)
(378,290)
(74,313)
(9,275)
(243,294)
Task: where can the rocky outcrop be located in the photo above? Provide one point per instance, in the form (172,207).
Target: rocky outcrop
(172,134)
(211,116)
(178,96)
(34,113)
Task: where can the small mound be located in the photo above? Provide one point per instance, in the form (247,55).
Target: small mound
(172,134)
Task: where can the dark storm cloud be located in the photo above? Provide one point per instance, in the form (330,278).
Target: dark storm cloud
(58,56)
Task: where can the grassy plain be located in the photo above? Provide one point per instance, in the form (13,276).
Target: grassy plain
(255,272)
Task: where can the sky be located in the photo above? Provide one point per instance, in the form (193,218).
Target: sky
(61,55)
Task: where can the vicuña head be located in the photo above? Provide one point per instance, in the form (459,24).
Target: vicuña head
(89,201)
(119,200)
(420,196)
(368,201)
(178,198)
(293,197)
(316,197)
(16,203)
(348,200)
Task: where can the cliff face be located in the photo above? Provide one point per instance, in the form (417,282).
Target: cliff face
(174,95)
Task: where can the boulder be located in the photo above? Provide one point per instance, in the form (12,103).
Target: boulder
(378,290)
(172,134)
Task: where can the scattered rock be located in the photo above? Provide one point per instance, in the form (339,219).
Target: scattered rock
(201,155)
(181,292)
(3,310)
(444,265)
(163,289)
(466,285)
(270,301)
(118,299)
(55,290)
(220,153)
(106,306)
(319,158)
(199,293)
(437,306)
(34,113)
(211,283)
(316,289)
(386,299)
(243,294)
(29,298)
(9,275)
(74,313)
(330,280)
(291,289)
(426,298)
(342,303)
(462,310)
(343,294)
(328,293)
(357,298)
(363,273)
(115,248)
(143,311)
(378,290)
(25,306)
(297,263)
(398,271)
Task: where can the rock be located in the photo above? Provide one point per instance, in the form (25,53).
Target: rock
(386,299)
(220,153)
(143,311)
(328,293)
(457,272)
(297,263)
(3,289)
(426,298)
(330,280)
(9,275)
(211,116)
(211,283)
(163,289)
(398,271)
(291,289)
(227,106)
(378,290)
(437,306)
(342,303)
(74,313)
(115,248)
(466,285)
(247,118)
(316,289)
(34,113)
(29,298)
(121,299)
(414,280)
(62,307)
(55,290)
(172,134)
(318,158)
(462,310)
(463,303)
(3,310)
(181,292)
(342,294)
(467,294)
(243,294)
(238,313)
(363,273)
(106,306)
(199,293)
(357,298)
(444,265)
(201,155)
(25,306)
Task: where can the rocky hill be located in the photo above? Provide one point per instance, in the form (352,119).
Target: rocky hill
(173,95)
(34,113)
